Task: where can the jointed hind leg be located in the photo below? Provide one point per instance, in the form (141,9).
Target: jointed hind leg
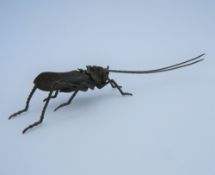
(54,96)
(41,116)
(27,104)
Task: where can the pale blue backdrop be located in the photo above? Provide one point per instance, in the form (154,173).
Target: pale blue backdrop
(166,128)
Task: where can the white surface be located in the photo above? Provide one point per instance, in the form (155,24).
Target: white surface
(165,128)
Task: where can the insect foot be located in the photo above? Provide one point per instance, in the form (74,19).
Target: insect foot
(17,113)
(127,93)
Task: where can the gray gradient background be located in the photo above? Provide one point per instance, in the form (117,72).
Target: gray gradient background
(167,127)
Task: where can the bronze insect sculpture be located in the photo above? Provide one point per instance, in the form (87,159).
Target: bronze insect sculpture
(83,79)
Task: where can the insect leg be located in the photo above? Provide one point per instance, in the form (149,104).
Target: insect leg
(68,102)
(27,104)
(118,87)
(114,86)
(41,116)
(54,96)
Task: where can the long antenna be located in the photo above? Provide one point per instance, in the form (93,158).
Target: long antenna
(164,69)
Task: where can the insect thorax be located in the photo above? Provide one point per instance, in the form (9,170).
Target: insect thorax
(98,74)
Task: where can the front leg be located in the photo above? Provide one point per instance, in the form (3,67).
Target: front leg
(113,83)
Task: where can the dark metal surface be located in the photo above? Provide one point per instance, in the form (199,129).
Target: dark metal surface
(82,80)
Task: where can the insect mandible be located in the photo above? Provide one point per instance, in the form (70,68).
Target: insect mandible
(82,80)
